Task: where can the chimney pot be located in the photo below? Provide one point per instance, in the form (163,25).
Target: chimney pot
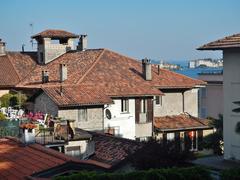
(82,44)
(147,69)
(2,48)
(45,77)
(63,72)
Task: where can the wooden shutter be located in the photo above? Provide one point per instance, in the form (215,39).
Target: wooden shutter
(200,140)
(137,109)
(149,110)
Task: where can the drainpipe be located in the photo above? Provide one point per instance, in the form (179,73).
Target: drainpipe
(183,103)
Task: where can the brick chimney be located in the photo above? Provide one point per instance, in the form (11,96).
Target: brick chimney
(82,44)
(147,69)
(63,72)
(2,48)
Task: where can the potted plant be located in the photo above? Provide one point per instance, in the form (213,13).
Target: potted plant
(28,132)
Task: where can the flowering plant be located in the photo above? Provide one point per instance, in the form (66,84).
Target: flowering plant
(27,126)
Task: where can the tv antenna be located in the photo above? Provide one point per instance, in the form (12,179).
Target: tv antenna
(31,26)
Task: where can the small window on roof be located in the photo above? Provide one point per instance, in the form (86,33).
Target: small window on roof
(55,41)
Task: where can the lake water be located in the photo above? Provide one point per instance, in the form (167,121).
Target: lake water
(193,73)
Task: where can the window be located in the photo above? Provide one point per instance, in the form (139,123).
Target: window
(143,105)
(170,136)
(158,100)
(82,115)
(124,105)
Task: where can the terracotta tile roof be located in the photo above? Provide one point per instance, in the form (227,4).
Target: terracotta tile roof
(77,95)
(106,71)
(17,161)
(15,66)
(78,64)
(179,122)
(54,33)
(232,41)
(113,150)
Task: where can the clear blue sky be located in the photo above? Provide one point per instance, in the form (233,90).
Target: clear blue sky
(158,29)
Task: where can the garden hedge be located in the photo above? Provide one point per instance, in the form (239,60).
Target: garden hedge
(196,173)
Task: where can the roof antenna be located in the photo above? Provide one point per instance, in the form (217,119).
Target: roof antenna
(23,45)
(31,26)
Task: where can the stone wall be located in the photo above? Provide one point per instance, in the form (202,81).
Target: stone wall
(94,120)
(44,104)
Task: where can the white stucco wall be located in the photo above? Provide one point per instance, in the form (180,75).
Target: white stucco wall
(172,103)
(191,102)
(124,122)
(213,101)
(231,88)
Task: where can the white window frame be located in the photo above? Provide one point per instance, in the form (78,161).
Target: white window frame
(159,101)
(125,105)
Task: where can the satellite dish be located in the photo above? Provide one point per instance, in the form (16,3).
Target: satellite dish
(108,114)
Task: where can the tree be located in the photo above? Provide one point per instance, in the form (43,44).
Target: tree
(215,141)
(13,99)
(160,155)
(2,117)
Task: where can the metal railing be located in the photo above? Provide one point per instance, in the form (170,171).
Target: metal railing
(49,136)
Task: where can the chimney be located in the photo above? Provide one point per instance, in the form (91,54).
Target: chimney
(63,72)
(147,69)
(2,48)
(45,77)
(82,44)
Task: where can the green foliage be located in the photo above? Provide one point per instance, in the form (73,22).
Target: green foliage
(230,174)
(12,99)
(2,117)
(160,155)
(196,173)
(215,141)
(5,100)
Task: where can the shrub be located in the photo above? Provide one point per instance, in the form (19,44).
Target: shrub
(2,117)
(196,173)
(11,99)
(231,174)
(160,155)
(215,141)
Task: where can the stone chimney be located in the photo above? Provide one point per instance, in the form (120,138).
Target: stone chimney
(53,43)
(45,77)
(82,44)
(147,69)
(2,48)
(63,72)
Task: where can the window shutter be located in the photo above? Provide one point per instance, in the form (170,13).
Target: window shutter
(137,109)
(200,140)
(149,110)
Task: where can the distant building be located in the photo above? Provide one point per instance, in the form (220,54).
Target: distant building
(169,66)
(211,96)
(205,63)
(231,92)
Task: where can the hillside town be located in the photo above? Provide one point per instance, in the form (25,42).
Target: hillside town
(69,110)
